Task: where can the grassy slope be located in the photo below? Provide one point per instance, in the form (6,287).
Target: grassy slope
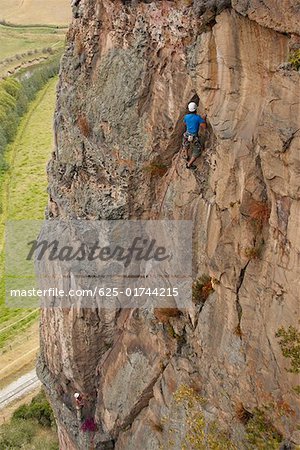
(27,189)
(16,42)
(56,12)
(24,188)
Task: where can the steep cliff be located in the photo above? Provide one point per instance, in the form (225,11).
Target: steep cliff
(129,70)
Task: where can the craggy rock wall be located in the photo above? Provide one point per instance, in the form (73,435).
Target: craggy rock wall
(129,70)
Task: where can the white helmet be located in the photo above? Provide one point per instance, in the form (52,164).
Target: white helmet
(76,395)
(192,107)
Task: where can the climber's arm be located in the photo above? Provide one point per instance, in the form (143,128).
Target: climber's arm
(203,124)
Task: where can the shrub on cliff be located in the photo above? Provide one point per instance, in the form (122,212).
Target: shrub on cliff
(294,59)
(201,290)
(290,346)
(261,433)
(188,428)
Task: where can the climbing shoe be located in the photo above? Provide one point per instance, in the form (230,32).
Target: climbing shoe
(192,167)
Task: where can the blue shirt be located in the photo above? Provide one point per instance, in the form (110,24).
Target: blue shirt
(193,122)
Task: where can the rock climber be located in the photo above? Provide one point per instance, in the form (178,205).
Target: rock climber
(193,122)
(79,403)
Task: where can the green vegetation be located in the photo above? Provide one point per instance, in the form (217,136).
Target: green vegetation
(290,346)
(199,433)
(296,389)
(22,45)
(260,432)
(32,150)
(201,290)
(6,23)
(294,59)
(10,316)
(15,97)
(188,428)
(23,186)
(252,252)
(12,66)
(32,427)
(39,409)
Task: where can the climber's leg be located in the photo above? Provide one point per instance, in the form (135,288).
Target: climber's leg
(185,146)
(190,165)
(79,414)
(196,153)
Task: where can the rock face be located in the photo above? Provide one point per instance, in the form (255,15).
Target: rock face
(129,70)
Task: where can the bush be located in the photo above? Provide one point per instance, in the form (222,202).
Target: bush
(261,433)
(3,140)
(259,212)
(39,409)
(198,432)
(290,346)
(31,427)
(17,433)
(21,412)
(242,414)
(201,290)
(294,59)
(252,252)
(11,86)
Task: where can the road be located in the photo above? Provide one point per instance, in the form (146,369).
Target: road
(18,388)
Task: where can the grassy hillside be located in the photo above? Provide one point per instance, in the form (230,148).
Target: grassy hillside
(24,188)
(22,46)
(31,151)
(54,12)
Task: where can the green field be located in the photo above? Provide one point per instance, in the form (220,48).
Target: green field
(23,188)
(23,46)
(54,12)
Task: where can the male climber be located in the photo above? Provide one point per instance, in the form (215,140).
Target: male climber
(193,122)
